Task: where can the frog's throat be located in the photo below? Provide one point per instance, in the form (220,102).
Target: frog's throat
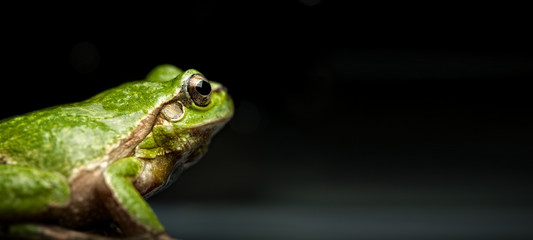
(166,177)
(176,160)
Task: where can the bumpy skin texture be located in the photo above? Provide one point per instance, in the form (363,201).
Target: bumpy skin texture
(95,160)
(30,190)
(64,137)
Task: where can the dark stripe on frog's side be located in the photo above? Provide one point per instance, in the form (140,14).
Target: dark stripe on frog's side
(64,137)
(84,206)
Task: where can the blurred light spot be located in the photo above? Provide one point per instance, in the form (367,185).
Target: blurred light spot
(310,2)
(247,118)
(84,57)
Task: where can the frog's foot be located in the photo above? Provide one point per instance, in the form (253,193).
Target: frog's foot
(52,232)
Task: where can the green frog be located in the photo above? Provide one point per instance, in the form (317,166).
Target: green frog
(69,168)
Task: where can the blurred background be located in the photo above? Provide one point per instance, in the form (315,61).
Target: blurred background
(352,121)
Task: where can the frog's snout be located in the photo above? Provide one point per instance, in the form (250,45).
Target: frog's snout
(217,87)
(220,88)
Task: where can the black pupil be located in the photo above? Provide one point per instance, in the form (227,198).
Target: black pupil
(203,87)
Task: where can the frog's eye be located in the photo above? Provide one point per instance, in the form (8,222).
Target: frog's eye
(199,90)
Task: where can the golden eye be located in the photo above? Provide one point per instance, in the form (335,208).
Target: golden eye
(199,90)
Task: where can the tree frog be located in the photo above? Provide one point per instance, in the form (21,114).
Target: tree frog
(69,168)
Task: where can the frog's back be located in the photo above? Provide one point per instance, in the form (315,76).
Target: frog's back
(64,137)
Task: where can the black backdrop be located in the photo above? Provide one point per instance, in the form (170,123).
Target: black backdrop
(352,121)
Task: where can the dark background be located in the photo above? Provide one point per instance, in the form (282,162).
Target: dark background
(352,121)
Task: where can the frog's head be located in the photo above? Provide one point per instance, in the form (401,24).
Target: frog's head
(187,122)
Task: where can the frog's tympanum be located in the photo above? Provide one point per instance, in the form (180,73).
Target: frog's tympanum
(65,170)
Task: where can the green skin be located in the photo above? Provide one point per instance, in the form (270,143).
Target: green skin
(95,161)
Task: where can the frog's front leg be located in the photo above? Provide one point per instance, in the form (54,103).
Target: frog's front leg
(125,203)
